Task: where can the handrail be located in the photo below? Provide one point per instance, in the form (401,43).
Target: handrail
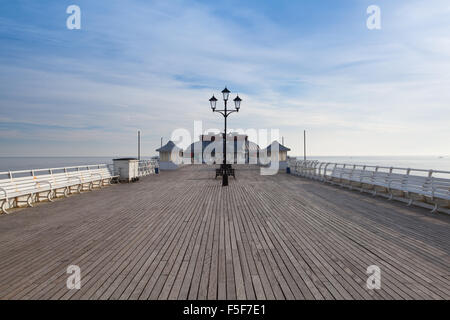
(310,163)
(97,166)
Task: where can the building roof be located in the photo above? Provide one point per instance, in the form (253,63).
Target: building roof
(238,146)
(276,145)
(219,136)
(252,146)
(168,147)
(198,145)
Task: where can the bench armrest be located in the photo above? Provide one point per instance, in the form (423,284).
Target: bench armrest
(48,182)
(79,179)
(394,180)
(6,192)
(97,174)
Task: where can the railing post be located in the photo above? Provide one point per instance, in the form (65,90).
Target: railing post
(405,181)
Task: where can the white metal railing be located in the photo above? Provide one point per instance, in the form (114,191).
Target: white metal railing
(419,186)
(147,167)
(33,172)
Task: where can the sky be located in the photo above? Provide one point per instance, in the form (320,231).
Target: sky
(153,65)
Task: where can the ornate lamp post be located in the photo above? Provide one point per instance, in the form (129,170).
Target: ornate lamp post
(225,112)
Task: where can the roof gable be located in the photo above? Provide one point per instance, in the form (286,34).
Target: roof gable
(168,147)
(276,145)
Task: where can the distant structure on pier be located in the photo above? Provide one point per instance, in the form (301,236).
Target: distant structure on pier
(209,150)
(169,156)
(282,154)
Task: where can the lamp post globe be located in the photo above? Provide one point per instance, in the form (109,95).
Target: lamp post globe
(237,103)
(213,102)
(225,93)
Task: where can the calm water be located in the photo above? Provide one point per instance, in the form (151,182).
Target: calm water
(24,163)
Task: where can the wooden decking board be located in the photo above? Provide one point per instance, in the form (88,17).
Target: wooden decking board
(324,237)
(159,230)
(328,254)
(174,267)
(262,287)
(40,272)
(410,227)
(285,280)
(271,285)
(213,273)
(52,251)
(399,253)
(325,270)
(180,235)
(167,225)
(149,277)
(221,278)
(109,262)
(190,281)
(413,243)
(244,287)
(207,261)
(272,222)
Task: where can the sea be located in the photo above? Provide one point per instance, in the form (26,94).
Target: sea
(416,162)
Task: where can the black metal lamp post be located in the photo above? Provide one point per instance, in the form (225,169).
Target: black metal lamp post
(225,112)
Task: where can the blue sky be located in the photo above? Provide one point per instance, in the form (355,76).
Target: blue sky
(153,65)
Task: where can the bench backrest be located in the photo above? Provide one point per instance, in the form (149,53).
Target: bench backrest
(432,182)
(32,181)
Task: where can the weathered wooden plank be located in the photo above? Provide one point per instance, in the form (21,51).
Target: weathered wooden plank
(180,235)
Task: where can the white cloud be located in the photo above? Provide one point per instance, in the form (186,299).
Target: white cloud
(363,94)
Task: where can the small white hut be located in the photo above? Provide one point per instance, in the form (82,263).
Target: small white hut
(278,152)
(170,156)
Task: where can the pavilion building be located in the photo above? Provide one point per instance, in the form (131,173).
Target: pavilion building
(209,149)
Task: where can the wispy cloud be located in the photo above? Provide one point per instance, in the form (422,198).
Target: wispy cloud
(152,65)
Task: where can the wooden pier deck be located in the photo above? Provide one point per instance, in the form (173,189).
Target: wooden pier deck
(180,235)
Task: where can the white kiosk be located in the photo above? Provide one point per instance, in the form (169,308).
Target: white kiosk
(127,169)
(281,154)
(170,156)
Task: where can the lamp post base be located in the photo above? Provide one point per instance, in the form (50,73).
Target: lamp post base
(225,171)
(225,180)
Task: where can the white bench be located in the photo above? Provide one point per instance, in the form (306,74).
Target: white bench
(31,186)
(400,183)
